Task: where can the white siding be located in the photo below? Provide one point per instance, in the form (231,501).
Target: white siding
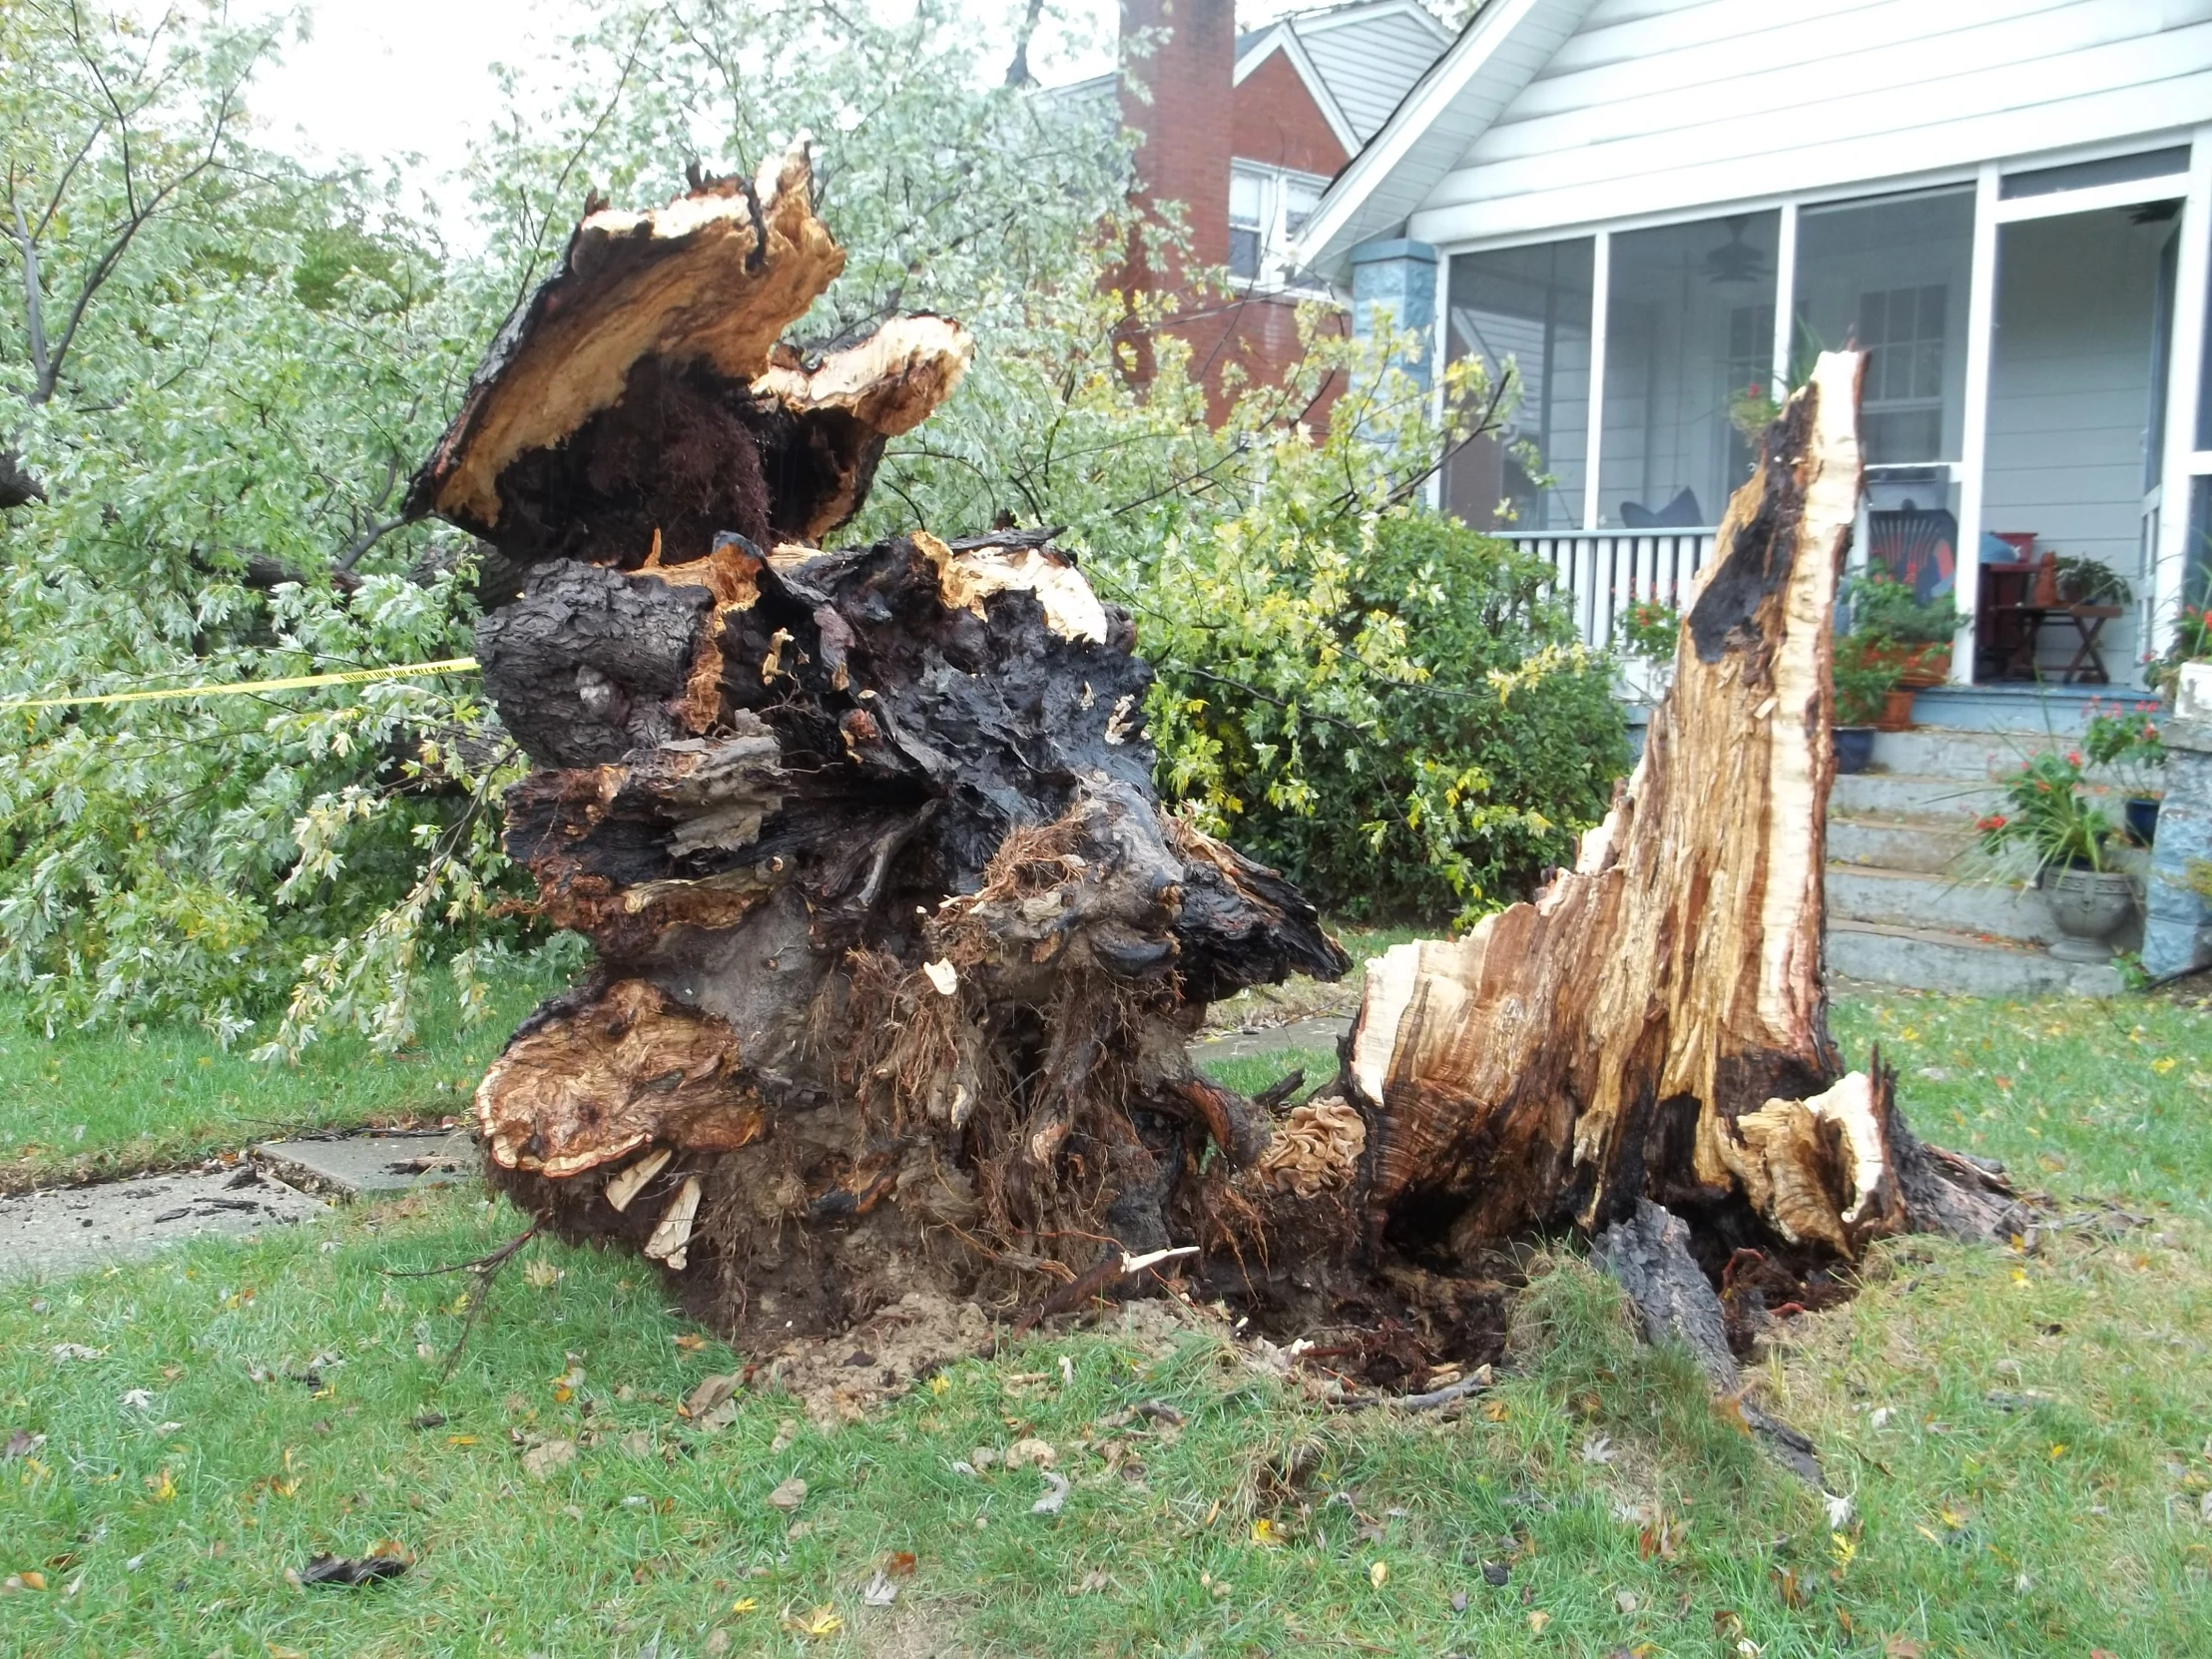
(1369,65)
(1506,46)
(1657,105)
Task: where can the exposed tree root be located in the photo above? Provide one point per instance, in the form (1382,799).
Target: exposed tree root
(898,952)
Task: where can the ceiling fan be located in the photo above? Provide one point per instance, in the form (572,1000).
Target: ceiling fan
(1735,260)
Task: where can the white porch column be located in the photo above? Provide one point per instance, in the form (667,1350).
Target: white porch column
(1601,301)
(1982,297)
(1785,300)
(1439,360)
(2184,369)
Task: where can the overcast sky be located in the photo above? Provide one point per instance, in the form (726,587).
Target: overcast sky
(380,78)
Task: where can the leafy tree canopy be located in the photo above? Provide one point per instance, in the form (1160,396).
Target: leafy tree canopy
(217,369)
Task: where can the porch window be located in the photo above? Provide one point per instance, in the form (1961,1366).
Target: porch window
(1528,308)
(1688,342)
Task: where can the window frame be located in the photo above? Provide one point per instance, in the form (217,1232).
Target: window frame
(1275,272)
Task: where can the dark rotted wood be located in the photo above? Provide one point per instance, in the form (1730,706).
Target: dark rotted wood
(639,398)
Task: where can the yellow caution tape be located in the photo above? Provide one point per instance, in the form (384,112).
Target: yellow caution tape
(299,682)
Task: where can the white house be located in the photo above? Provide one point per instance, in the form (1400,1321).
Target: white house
(1652,206)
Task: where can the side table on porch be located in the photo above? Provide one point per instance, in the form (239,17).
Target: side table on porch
(2018,634)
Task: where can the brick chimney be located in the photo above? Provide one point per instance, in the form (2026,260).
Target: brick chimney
(1186,128)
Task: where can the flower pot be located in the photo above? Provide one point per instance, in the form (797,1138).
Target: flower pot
(1854,747)
(2088,906)
(1918,665)
(1925,665)
(1896,710)
(2142,819)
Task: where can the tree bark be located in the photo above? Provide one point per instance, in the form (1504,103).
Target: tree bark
(898,952)
(1653,1027)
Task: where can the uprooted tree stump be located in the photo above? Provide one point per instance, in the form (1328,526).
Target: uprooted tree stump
(898,952)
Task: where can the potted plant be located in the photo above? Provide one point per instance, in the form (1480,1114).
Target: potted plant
(2127,743)
(1864,689)
(1897,624)
(2192,644)
(2083,581)
(1644,637)
(2048,815)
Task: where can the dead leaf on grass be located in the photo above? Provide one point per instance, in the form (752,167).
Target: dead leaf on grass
(1024,1452)
(1537,1620)
(881,1591)
(351,1570)
(820,1622)
(710,1392)
(789,1496)
(1056,1496)
(541,1462)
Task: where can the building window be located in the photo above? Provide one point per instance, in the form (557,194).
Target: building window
(1268,205)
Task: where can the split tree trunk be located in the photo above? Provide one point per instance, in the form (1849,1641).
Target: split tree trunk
(898,952)
(1654,1025)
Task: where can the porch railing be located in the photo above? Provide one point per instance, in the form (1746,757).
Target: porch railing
(1603,572)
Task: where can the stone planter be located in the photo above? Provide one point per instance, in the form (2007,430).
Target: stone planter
(2089,906)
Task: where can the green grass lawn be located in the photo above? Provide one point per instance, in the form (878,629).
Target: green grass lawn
(90,1104)
(2026,1439)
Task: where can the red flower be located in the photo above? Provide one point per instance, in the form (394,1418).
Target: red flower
(2073,756)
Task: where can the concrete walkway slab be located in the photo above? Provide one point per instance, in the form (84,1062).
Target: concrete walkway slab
(1321,1031)
(376,1163)
(65,1230)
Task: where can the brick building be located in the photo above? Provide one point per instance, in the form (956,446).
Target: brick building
(1244,131)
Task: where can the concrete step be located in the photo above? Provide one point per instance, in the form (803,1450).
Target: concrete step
(1913,798)
(1909,899)
(1954,751)
(1920,848)
(1931,959)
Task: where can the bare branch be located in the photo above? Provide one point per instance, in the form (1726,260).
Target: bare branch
(351,554)
(1017,72)
(34,310)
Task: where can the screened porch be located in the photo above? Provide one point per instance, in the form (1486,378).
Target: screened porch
(2035,393)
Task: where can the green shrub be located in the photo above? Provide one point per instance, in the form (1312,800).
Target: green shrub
(1864,679)
(1394,711)
(1888,612)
